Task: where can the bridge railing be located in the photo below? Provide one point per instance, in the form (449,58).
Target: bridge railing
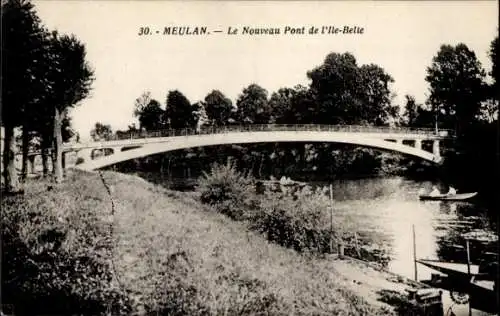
(279,127)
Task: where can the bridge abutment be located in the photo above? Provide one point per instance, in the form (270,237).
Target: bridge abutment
(418,144)
(435,148)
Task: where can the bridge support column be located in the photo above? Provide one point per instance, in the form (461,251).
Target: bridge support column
(418,144)
(435,148)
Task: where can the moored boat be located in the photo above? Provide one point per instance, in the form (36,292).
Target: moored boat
(479,285)
(447,197)
(451,268)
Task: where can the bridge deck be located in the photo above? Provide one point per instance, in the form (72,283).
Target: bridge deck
(380,131)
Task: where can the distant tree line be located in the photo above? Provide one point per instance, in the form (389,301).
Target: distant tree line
(44,74)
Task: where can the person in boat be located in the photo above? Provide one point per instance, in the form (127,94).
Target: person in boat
(452,191)
(434,191)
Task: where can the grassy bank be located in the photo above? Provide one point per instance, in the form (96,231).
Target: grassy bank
(69,249)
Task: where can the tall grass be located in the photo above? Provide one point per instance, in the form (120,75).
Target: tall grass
(56,252)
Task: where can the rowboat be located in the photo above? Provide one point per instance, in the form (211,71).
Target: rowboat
(451,269)
(447,197)
(479,286)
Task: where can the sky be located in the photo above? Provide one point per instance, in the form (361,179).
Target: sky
(401,37)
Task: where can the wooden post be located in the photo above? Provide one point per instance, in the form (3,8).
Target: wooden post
(331,219)
(468,258)
(468,272)
(414,253)
(357,244)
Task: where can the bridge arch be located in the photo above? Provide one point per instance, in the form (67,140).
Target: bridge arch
(155,145)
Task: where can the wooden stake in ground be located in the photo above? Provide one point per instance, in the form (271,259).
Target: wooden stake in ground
(331,218)
(414,253)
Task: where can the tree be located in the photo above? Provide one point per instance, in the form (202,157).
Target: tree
(456,85)
(280,105)
(218,108)
(349,94)
(151,117)
(140,103)
(200,115)
(495,72)
(489,108)
(411,108)
(101,132)
(22,80)
(70,78)
(375,95)
(179,112)
(252,105)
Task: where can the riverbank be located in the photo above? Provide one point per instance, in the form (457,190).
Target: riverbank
(121,244)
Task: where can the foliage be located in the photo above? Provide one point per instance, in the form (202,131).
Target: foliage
(141,102)
(293,106)
(22,59)
(456,86)
(227,190)
(349,94)
(70,76)
(280,105)
(22,76)
(199,114)
(299,219)
(218,108)
(252,105)
(101,132)
(495,71)
(179,112)
(151,116)
(298,222)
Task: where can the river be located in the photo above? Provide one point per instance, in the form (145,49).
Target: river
(391,208)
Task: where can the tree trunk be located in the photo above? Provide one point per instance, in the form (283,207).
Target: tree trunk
(58,172)
(31,160)
(26,141)
(12,184)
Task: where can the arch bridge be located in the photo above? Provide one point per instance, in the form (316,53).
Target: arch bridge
(130,145)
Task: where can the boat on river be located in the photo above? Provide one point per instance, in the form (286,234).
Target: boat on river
(460,278)
(452,269)
(447,197)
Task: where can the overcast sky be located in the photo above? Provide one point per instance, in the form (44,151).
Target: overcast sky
(401,37)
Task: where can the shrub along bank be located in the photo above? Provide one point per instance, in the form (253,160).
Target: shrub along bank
(301,219)
(125,246)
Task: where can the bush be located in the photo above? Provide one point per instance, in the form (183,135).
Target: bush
(299,222)
(296,218)
(229,191)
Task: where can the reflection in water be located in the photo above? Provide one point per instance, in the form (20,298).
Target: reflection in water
(388,208)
